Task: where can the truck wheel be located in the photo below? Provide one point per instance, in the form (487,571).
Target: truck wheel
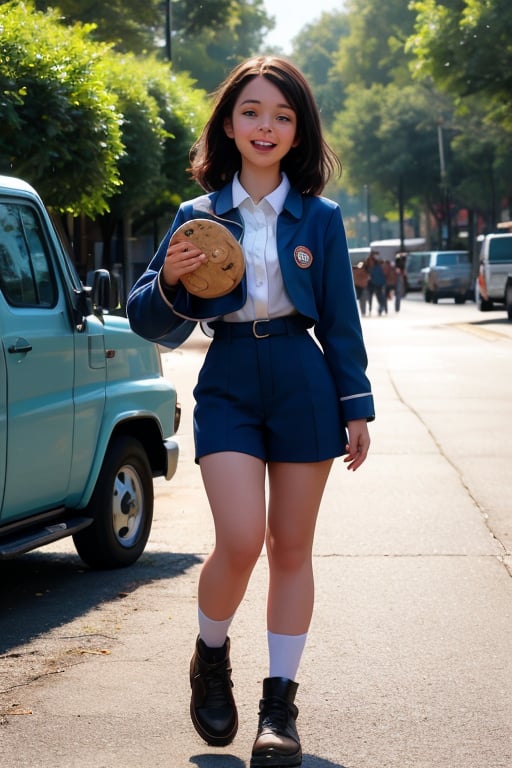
(484,305)
(460,299)
(122,508)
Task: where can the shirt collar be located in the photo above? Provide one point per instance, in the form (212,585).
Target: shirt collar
(276,198)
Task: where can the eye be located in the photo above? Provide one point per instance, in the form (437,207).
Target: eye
(249,113)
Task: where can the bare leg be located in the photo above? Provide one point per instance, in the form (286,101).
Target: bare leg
(235,486)
(295,495)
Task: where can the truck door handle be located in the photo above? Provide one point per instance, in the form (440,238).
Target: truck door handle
(20,346)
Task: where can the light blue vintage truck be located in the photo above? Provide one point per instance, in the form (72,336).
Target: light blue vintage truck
(87,419)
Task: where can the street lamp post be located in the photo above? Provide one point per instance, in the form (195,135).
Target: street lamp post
(445,203)
(401,211)
(368,216)
(168,29)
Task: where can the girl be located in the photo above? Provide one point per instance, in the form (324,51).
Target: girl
(269,399)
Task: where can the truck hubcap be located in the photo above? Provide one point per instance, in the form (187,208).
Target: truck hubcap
(127,506)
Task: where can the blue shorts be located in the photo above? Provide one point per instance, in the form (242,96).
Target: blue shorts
(270,396)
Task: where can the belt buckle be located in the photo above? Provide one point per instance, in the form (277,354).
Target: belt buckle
(255,331)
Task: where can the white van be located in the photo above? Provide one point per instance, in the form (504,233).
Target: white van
(495,267)
(388,249)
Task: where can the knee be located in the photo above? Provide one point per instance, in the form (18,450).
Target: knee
(241,554)
(287,557)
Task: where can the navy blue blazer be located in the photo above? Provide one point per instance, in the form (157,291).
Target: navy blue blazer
(317,275)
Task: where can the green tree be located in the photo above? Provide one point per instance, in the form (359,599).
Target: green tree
(129,25)
(388,133)
(314,52)
(465,46)
(210,51)
(162,115)
(132,26)
(59,122)
(374,50)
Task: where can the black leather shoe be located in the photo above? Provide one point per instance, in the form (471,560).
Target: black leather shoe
(212,706)
(277,743)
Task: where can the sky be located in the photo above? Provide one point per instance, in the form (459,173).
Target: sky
(292,15)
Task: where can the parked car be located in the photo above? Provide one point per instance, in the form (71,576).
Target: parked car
(86,417)
(447,276)
(414,263)
(495,267)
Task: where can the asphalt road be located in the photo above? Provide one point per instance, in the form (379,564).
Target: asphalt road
(409,660)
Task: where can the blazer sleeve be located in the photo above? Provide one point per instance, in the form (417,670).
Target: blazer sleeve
(150,311)
(339,326)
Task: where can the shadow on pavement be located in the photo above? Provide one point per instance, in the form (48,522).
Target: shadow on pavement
(217,761)
(229,761)
(42,591)
(493,321)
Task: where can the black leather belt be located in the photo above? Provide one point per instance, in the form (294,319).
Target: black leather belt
(261,329)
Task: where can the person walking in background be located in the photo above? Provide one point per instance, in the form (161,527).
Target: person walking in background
(361,280)
(399,280)
(390,277)
(377,283)
(269,400)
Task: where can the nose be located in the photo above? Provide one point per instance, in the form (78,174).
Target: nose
(265,125)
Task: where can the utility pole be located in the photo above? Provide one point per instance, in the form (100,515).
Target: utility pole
(368,216)
(445,204)
(168,29)
(401,211)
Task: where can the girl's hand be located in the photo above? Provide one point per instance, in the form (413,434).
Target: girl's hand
(180,259)
(358,443)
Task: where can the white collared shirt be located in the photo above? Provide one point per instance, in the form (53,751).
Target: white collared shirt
(266,294)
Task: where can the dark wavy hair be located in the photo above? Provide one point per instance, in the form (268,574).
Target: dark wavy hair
(215,158)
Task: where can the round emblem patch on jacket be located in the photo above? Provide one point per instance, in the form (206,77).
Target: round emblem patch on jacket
(303,257)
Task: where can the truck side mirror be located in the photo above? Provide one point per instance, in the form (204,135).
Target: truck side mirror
(101,291)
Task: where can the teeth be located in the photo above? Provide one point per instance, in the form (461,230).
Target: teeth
(264,143)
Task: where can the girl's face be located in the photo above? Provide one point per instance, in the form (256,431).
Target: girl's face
(263,125)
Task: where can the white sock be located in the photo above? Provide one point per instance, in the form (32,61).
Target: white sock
(285,652)
(213,633)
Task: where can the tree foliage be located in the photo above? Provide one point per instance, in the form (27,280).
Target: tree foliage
(208,51)
(315,49)
(59,122)
(96,119)
(465,46)
(97,132)
(374,50)
(128,25)
(135,27)
(390,136)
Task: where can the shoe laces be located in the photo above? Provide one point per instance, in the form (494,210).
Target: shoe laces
(217,681)
(274,714)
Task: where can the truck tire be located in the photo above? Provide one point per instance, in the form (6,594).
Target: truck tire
(122,508)
(484,305)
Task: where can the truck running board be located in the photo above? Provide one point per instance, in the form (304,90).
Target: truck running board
(14,545)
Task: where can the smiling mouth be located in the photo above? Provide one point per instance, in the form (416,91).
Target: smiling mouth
(263,144)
